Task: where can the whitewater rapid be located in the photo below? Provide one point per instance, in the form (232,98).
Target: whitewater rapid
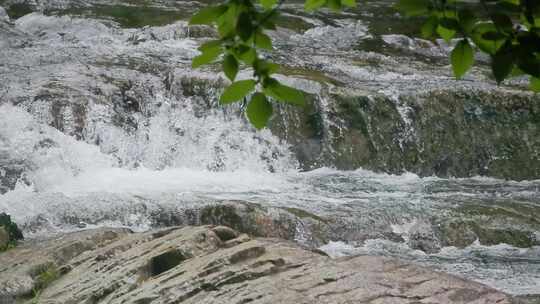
(85,157)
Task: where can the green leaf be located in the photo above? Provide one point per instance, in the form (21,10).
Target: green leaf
(503,22)
(349,3)
(263,41)
(493,36)
(247,54)
(462,58)
(264,67)
(210,45)
(312,5)
(208,15)
(502,63)
(446,34)
(334,4)
(467,20)
(284,93)
(208,55)
(268,4)
(529,63)
(227,21)
(535,84)
(413,7)
(237,90)
(245,28)
(429,27)
(230,67)
(488,46)
(449,23)
(259,110)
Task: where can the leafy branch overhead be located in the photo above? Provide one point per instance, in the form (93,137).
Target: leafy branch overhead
(507,30)
(242,39)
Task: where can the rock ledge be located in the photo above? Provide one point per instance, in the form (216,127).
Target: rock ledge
(210,264)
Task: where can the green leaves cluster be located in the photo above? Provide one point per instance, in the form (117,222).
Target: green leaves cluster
(242,40)
(507,30)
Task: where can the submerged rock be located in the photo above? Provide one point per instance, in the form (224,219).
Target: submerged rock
(216,265)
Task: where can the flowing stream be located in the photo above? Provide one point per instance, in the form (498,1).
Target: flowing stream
(104,123)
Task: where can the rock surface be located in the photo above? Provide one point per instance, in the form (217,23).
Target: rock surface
(209,264)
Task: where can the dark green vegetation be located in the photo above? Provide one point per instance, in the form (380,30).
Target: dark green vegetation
(18,10)
(507,30)
(13,232)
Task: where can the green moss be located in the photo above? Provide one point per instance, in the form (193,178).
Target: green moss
(516,238)
(521,213)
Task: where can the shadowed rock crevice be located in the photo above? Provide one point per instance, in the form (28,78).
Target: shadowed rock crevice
(165,261)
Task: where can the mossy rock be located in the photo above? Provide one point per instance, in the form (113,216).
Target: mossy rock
(463,233)
(516,238)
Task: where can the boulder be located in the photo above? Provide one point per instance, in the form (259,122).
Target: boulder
(209,264)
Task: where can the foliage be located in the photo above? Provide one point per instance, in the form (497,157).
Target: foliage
(13,231)
(507,30)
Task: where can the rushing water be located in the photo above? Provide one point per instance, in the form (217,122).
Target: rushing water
(72,177)
(79,154)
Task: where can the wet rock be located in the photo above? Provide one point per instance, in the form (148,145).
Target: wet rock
(423,237)
(500,222)
(192,265)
